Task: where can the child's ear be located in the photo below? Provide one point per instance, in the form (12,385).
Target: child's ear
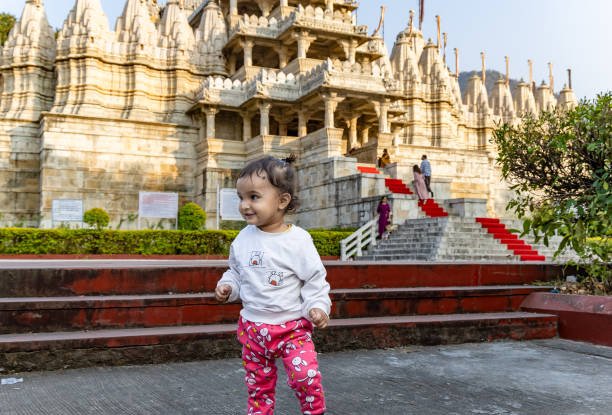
(285,199)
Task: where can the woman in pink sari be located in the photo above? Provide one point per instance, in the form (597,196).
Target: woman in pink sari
(419,184)
(384,215)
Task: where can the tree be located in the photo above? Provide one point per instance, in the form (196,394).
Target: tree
(560,167)
(7,21)
(191,217)
(96,217)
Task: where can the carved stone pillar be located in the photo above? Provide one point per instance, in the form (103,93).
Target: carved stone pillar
(231,63)
(365,134)
(210,121)
(247,45)
(303,43)
(352,123)
(302,123)
(264,118)
(233,8)
(331,101)
(265,6)
(283,123)
(246,125)
(282,128)
(283,56)
(352,51)
(382,110)
(284,3)
(329,6)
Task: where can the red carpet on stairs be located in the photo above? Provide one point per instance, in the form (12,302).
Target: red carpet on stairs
(368,169)
(432,209)
(394,185)
(397,186)
(511,240)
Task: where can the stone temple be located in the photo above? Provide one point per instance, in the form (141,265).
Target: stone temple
(177,98)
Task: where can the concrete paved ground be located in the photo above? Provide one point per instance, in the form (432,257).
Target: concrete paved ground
(506,378)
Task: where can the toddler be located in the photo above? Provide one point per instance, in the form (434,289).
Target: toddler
(276,271)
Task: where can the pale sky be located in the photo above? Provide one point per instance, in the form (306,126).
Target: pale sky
(574,34)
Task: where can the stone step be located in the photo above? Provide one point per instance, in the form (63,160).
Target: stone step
(480,258)
(479,249)
(62,350)
(134,279)
(396,250)
(34,314)
(44,314)
(379,302)
(372,274)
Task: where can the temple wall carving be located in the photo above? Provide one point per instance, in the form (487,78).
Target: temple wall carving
(178,97)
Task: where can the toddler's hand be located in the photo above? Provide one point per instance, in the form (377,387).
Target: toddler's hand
(319,317)
(222,292)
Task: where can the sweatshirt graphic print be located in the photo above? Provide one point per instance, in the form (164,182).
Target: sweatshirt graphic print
(278,276)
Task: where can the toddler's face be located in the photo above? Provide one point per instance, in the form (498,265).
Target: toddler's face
(261,204)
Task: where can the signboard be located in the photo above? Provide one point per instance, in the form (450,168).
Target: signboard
(67,210)
(228,204)
(158,205)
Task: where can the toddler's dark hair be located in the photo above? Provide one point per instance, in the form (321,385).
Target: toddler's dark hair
(416,168)
(279,172)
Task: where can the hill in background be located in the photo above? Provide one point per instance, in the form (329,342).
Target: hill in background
(492,77)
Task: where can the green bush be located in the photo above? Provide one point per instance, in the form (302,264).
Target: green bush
(191,217)
(328,242)
(97,218)
(144,242)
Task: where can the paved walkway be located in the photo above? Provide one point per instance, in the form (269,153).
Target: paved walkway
(555,377)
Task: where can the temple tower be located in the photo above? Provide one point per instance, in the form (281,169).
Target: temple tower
(27,86)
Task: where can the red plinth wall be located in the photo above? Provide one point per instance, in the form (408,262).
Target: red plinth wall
(581,317)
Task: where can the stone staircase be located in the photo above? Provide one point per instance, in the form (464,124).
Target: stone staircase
(59,318)
(450,238)
(548,251)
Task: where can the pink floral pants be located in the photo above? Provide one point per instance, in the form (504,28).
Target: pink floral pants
(292,342)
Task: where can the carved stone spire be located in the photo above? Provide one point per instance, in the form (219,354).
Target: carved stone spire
(524,102)
(136,25)
(27,61)
(567,98)
(87,25)
(476,97)
(545,99)
(211,36)
(428,57)
(32,33)
(174,29)
(501,100)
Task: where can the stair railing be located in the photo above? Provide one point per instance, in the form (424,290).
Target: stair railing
(353,245)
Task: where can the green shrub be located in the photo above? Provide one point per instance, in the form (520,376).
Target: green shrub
(97,218)
(144,242)
(191,217)
(328,242)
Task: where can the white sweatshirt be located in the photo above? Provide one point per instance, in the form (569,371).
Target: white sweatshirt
(278,276)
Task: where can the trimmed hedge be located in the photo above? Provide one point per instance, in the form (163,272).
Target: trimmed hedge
(144,242)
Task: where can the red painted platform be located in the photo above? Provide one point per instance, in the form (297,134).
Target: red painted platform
(581,317)
(71,317)
(47,314)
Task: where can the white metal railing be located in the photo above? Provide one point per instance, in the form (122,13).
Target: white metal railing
(353,245)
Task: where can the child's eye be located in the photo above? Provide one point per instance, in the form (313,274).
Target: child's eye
(254,197)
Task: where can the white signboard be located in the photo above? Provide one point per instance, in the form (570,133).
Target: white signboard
(228,204)
(67,210)
(157,205)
